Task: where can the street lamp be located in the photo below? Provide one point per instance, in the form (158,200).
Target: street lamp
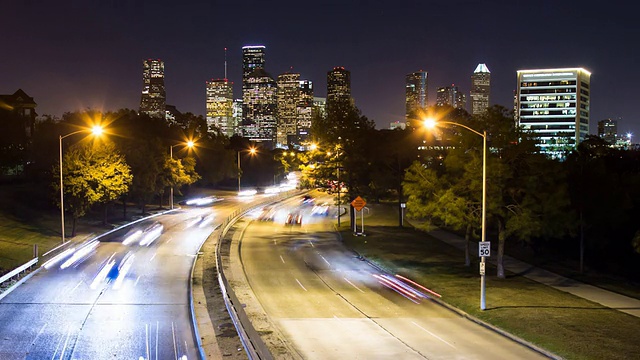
(252,151)
(96,131)
(430,123)
(189,145)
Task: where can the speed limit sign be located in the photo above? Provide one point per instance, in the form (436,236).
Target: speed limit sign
(484,248)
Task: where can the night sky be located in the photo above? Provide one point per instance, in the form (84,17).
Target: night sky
(78,54)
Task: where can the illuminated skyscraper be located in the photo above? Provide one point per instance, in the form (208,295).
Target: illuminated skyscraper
(416,91)
(237,117)
(450,95)
(259,108)
(480,89)
(252,58)
(220,105)
(305,111)
(555,105)
(153,99)
(288,97)
(338,88)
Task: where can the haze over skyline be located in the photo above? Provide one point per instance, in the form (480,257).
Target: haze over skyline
(88,54)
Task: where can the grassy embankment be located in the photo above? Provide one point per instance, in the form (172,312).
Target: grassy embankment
(569,326)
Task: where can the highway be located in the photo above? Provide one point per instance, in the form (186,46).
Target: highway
(125,296)
(328,304)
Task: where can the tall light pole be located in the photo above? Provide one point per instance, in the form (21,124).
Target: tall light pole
(189,144)
(97,131)
(430,123)
(252,151)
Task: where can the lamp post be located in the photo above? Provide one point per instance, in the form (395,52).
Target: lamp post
(430,123)
(189,145)
(252,151)
(97,131)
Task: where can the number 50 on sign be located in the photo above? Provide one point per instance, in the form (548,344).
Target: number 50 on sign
(484,248)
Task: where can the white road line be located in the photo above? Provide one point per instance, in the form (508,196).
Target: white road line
(282,259)
(311,242)
(66,342)
(137,279)
(325,260)
(175,346)
(299,283)
(39,333)
(157,328)
(352,284)
(75,287)
(153,257)
(337,318)
(146,338)
(57,346)
(434,335)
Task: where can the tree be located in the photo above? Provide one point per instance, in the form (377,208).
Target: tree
(180,172)
(92,174)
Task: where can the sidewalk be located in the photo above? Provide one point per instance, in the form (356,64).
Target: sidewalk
(592,293)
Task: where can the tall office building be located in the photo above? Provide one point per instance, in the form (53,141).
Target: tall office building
(154,98)
(480,89)
(220,105)
(338,88)
(237,117)
(259,117)
(450,95)
(252,58)
(288,96)
(305,111)
(416,92)
(554,104)
(608,130)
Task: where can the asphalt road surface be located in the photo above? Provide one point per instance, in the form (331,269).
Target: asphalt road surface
(328,304)
(125,296)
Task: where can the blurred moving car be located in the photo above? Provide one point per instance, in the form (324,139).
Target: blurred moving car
(322,209)
(294,218)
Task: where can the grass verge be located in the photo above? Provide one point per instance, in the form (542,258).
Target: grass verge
(569,326)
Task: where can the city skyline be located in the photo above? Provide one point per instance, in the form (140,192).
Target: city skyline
(75,56)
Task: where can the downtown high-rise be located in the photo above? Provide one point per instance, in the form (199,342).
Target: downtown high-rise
(153,100)
(555,105)
(480,89)
(451,96)
(416,94)
(259,101)
(252,58)
(219,98)
(259,108)
(288,96)
(338,88)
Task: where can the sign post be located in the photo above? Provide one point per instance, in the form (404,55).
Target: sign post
(484,251)
(358,203)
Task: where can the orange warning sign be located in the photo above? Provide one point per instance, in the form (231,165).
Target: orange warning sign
(358,203)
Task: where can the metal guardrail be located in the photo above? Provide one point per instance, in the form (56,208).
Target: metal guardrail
(251,340)
(18,270)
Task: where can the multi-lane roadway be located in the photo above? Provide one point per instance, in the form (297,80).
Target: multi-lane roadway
(122,296)
(329,304)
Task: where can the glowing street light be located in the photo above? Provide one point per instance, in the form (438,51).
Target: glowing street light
(96,131)
(431,123)
(189,144)
(252,151)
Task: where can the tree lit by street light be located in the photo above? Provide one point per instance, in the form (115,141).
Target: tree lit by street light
(189,144)
(96,130)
